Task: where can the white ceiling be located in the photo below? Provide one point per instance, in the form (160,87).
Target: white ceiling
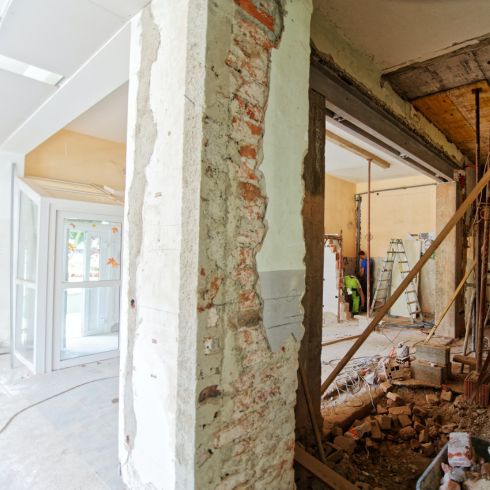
(107,119)
(399,32)
(56,35)
(346,165)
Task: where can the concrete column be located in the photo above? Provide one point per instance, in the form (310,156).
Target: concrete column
(205,402)
(449,264)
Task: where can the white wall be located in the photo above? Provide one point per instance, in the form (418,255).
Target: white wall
(6,161)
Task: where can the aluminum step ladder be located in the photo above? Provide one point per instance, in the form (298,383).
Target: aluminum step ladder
(396,253)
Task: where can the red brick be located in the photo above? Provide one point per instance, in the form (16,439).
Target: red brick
(264,17)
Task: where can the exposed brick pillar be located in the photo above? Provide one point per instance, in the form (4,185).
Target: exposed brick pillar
(205,402)
(313,225)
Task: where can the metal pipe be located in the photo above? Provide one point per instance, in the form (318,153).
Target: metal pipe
(395,189)
(477,237)
(358,200)
(368,287)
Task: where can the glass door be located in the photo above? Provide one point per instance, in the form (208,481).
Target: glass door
(87,289)
(25,287)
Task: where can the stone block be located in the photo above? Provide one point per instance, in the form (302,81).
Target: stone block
(437,354)
(426,372)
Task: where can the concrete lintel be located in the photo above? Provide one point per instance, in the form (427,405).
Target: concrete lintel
(354,109)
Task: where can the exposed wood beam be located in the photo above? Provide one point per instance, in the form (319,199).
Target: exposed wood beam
(348,145)
(324,473)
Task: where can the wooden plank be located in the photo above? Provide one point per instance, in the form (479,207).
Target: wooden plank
(348,145)
(337,341)
(404,284)
(311,411)
(325,474)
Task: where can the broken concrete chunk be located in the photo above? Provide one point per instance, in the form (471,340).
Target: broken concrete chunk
(407,433)
(424,436)
(386,386)
(427,449)
(347,444)
(459,449)
(404,420)
(446,395)
(400,410)
(394,397)
(432,398)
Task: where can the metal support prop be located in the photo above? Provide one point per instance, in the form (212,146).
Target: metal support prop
(403,285)
(479,293)
(368,286)
(358,200)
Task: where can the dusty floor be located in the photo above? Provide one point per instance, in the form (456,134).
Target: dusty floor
(68,442)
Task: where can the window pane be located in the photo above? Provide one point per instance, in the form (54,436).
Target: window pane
(93,250)
(27,242)
(91,323)
(25,321)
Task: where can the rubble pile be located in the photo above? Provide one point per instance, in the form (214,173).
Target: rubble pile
(401,424)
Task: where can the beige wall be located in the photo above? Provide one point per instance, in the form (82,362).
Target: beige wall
(395,214)
(79,158)
(340,212)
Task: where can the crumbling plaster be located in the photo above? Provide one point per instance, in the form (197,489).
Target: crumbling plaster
(204,399)
(361,68)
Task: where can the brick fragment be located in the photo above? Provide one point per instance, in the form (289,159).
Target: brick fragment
(405,409)
(404,420)
(347,444)
(407,433)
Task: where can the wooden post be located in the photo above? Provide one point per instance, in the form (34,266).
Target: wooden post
(403,285)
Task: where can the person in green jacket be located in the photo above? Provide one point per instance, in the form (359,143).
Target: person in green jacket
(353,294)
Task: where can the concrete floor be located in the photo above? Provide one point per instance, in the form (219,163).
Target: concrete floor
(66,443)
(379,342)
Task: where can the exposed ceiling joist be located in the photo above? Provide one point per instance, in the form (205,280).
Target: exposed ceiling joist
(466,65)
(348,145)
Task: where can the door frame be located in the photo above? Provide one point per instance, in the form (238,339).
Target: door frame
(58,214)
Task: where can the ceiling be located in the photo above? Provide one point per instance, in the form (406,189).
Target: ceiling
(346,165)
(108,119)
(60,43)
(453,112)
(400,32)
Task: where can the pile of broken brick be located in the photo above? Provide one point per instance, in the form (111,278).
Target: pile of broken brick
(397,421)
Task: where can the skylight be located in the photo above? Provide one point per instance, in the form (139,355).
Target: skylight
(30,71)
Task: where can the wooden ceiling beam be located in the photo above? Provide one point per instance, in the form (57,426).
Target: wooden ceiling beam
(348,145)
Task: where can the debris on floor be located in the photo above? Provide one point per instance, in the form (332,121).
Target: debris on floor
(405,429)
